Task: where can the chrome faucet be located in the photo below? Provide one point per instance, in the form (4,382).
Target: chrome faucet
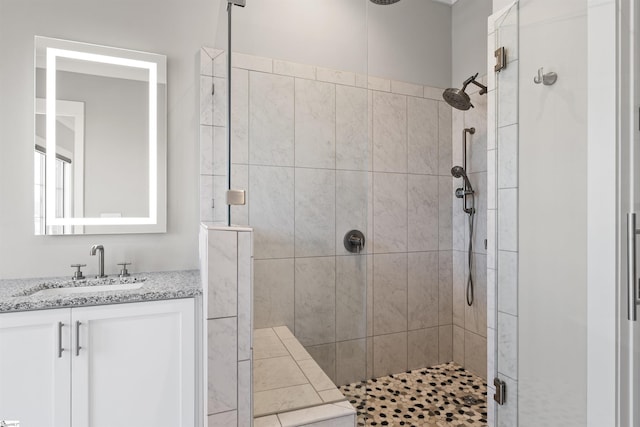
(100,250)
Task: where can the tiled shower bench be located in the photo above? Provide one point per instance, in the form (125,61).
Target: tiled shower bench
(290,389)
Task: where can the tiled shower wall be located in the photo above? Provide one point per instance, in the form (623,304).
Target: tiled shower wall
(470,322)
(322,152)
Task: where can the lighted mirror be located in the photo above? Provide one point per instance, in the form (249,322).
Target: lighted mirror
(100,139)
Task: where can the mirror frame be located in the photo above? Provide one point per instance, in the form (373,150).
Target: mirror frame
(155,65)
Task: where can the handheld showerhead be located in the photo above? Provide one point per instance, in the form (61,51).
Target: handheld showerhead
(459,172)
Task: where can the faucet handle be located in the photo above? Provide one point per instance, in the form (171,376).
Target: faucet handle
(77,275)
(124,272)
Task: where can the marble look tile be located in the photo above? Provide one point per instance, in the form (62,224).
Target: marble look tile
(333,395)
(491,408)
(265,347)
(315,205)
(445,159)
(492,238)
(294,69)
(325,356)
(508,220)
(206,62)
(506,35)
(390,293)
(296,349)
(477,143)
(492,184)
(284,399)
(423,211)
(479,182)
(422,347)
(491,48)
(240,116)
(404,88)
(223,274)
(389,354)
(351,361)
(491,353)
(315,124)
(352,207)
(457,125)
(240,181)
(268,421)
(206,100)
(434,93)
(206,198)
(245,393)
(271,211)
(475,354)
(276,372)
(389,212)
(219,102)
(335,76)
(250,62)
(219,155)
(508,157)
(328,415)
(445,213)
(492,123)
(445,287)
(475,316)
(224,419)
(351,297)
(491,298)
(507,95)
(206,150)
(459,286)
(423,289)
(508,345)
(220,64)
(316,376)
(222,366)
(458,345)
(352,139)
(508,282)
(377,83)
(273,292)
(445,343)
(362,80)
(271,120)
(264,333)
(315,300)
(422,136)
(219,195)
(389,132)
(460,221)
(507,414)
(245,295)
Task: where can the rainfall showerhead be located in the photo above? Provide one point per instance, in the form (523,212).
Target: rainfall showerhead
(458,98)
(459,172)
(384,2)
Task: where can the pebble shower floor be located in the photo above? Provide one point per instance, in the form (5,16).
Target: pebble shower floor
(440,396)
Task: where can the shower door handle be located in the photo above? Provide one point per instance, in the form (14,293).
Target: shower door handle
(632,290)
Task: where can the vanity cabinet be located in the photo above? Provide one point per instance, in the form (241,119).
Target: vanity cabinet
(103,366)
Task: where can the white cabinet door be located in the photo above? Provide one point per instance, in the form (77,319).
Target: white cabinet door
(35,375)
(133,365)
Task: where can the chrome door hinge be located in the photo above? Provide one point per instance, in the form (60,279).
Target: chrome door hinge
(501,391)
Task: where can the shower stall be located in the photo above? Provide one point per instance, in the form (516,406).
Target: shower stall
(344,143)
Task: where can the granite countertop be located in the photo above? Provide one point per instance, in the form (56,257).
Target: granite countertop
(16,294)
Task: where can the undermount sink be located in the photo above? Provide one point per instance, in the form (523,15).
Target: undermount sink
(85,289)
(70,287)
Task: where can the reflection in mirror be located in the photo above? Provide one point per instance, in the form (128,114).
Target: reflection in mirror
(100,139)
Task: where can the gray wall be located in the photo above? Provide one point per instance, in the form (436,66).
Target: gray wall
(409,41)
(469,38)
(141,25)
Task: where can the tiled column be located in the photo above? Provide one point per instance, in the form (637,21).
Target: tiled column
(502,218)
(226,270)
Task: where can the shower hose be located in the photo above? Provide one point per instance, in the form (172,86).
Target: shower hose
(472,214)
